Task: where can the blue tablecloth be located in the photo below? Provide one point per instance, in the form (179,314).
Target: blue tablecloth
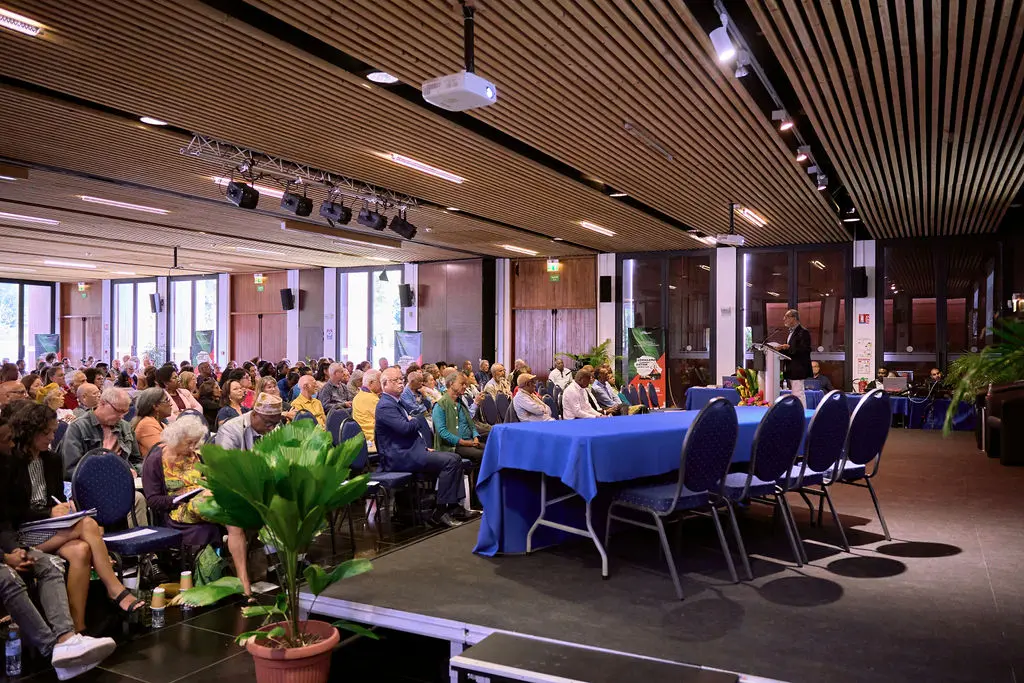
(698,397)
(581,454)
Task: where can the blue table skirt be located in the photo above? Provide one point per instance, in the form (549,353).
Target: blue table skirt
(921,413)
(581,454)
(698,397)
(812,396)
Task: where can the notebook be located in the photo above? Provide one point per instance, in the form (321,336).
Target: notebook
(62,522)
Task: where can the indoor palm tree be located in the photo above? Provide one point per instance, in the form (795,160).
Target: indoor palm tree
(1000,363)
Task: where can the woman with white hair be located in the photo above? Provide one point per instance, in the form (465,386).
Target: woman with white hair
(169,472)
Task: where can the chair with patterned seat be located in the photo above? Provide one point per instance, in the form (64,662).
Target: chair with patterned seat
(703,462)
(490,410)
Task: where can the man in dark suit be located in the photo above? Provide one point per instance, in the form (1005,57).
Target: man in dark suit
(798,348)
(402,449)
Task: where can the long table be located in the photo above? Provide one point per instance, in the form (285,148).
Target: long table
(698,397)
(924,413)
(578,455)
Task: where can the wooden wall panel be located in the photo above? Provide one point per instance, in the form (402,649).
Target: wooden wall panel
(73,308)
(246,302)
(532,288)
(246,299)
(532,340)
(575,331)
(450,306)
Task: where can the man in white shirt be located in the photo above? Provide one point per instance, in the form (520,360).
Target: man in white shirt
(575,403)
(559,375)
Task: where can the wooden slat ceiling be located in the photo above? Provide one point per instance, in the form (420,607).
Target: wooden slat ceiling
(570,73)
(920,105)
(181,62)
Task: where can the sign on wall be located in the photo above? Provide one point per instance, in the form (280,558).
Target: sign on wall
(646,359)
(408,349)
(202,346)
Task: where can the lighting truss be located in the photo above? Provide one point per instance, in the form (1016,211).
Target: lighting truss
(252,166)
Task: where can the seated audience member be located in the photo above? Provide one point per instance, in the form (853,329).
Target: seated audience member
(53,396)
(205,372)
(879,376)
(13,390)
(180,398)
(20,364)
(402,449)
(88,398)
(288,381)
(364,405)
(187,382)
(934,377)
(152,408)
(517,368)
(232,394)
(268,385)
(34,480)
(355,383)
(171,471)
(575,399)
(335,392)
(498,384)
(9,372)
(559,375)
(57,375)
(453,427)
(382,364)
(823,381)
(308,401)
(467,370)
(209,399)
(529,406)
(608,400)
(32,384)
(414,399)
(242,432)
(430,390)
(77,380)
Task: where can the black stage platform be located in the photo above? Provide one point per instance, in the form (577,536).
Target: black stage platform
(937,603)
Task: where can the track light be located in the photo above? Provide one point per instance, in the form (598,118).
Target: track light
(242,195)
(402,227)
(822,181)
(372,219)
(299,204)
(785,122)
(335,212)
(803,152)
(742,64)
(720,41)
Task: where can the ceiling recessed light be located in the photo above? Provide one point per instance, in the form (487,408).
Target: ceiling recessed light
(557,239)
(27,219)
(20,23)
(751,217)
(597,228)
(17,269)
(618,194)
(124,272)
(262,189)
(378,258)
(7,178)
(519,250)
(423,168)
(149,120)
(382,77)
(123,205)
(70,264)
(450,208)
(851,220)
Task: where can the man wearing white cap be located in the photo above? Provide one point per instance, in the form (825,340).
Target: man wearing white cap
(243,431)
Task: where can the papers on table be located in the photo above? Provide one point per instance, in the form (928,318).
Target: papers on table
(188,495)
(134,533)
(774,345)
(63,522)
(138,483)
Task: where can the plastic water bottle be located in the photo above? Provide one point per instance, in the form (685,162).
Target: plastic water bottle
(13,651)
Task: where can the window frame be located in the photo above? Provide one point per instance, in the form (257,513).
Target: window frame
(342,302)
(21,312)
(169,308)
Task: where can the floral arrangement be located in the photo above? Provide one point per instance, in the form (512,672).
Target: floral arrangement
(750,392)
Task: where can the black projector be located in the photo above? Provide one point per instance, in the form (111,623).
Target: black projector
(242,195)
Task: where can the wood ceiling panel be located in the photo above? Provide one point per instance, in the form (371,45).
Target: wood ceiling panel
(919,105)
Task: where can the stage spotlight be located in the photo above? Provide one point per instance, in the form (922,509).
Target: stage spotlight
(785,122)
(720,41)
(822,181)
(335,212)
(372,219)
(803,152)
(297,204)
(742,64)
(242,195)
(403,227)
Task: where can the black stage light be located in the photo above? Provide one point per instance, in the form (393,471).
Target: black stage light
(242,195)
(372,219)
(403,227)
(335,212)
(297,204)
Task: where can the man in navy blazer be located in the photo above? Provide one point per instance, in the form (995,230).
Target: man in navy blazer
(402,449)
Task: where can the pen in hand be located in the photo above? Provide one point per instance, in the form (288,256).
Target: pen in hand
(71,505)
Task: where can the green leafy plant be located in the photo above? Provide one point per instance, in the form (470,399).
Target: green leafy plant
(1001,363)
(286,486)
(595,356)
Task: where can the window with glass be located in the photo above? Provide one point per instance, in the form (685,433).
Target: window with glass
(821,301)
(134,324)
(369,313)
(193,308)
(763,293)
(910,314)
(26,309)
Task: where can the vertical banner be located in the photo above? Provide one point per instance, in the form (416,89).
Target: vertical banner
(408,349)
(202,347)
(47,343)
(646,358)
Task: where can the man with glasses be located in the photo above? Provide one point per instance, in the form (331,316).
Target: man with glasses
(12,391)
(240,433)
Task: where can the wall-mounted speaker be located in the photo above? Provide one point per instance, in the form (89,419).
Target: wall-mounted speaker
(859,282)
(406,296)
(287,299)
(605,289)
(156,303)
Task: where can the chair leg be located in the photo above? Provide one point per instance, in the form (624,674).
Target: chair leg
(795,542)
(331,520)
(878,509)
(835,517)
(608,528)
(810,506)
(668,556)
(739,541)
(724,544)
(821,505)
(351,529)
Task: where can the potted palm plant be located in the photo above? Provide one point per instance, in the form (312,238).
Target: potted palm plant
(1001,363)
(285,486)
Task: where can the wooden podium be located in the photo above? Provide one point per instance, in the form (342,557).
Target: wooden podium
(768,379)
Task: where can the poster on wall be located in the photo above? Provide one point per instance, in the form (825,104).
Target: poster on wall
(646,359)
(202,347)
(863,363)
(408,349)
(47,343)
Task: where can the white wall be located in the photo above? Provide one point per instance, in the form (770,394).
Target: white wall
(292,348)
(331,313)
(106,318)
(222,340)
(410,316)
(725,313)
(606,311)
(503,290)
(865,356)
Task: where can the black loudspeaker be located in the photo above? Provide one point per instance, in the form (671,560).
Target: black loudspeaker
(859,282)
(287,299)
(405,294)
(155,303)
(605,289)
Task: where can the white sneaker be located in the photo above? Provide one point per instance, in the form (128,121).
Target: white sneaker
(79,650)
(65,673)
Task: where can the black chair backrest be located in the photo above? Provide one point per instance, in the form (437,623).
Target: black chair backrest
(426,432)
(826,434)
(490,410)
(304,415)
(652,395)
(194,413)
(776,441)
(58,437)
(334,422)
(550,386)
(105,481)
(350,428)
(869,428)
(708,446)
(645,398)
(511,415)
(550,402)
(502,402)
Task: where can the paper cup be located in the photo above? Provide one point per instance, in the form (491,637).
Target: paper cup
(186,581)
(159,600)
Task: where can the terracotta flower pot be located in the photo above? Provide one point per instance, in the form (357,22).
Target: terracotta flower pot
(309,664)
